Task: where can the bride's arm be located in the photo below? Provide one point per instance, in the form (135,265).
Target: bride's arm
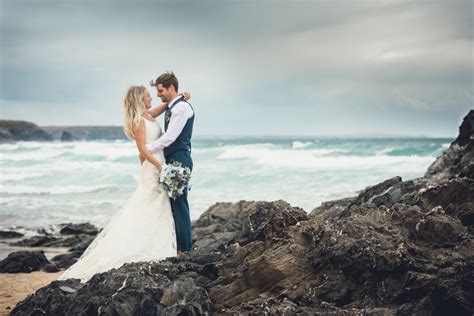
(139,132)
(158,110)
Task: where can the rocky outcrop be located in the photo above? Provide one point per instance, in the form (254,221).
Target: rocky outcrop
(70,133)
(398,247)
(66,137)
(81,228)
(12,131)
(175,287)
(65,260)
(459,157)
(23,261)
(9,234)
(54,241)
(225,223)
(75,236)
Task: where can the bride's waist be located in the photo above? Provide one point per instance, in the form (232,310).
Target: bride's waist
(158,156)
(158,153)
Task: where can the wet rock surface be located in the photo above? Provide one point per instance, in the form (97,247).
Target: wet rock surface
(79,229)
(23,261)
(458,159)
(76,236)
(398,247)
(9,234)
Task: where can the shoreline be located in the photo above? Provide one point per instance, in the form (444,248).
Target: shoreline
(49,252)
(15,287)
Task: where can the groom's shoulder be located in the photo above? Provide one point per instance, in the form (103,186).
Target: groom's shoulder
(183,106)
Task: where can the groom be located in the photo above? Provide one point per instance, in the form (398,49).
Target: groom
(176,143)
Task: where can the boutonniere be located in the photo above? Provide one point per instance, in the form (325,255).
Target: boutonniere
(167,118)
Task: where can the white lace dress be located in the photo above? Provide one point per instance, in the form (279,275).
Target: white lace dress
(142,230)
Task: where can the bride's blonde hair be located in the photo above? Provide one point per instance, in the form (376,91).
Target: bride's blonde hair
(132,109)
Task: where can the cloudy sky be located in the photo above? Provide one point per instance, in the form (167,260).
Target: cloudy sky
(253,67)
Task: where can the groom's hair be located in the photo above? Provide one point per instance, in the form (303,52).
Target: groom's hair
(167,79)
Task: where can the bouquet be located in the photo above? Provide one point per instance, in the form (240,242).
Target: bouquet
(175,179)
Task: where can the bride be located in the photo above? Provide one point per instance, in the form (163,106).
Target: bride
(143,229)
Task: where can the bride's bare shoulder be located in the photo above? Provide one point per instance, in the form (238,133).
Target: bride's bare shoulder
(139,127)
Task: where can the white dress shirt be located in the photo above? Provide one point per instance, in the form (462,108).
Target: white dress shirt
(180,114)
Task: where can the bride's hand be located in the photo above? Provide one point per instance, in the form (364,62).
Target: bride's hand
(186,95)
(159,166)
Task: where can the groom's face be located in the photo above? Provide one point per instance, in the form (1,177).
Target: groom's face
(164,93)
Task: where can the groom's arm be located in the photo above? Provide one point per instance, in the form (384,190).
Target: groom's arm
(179,116)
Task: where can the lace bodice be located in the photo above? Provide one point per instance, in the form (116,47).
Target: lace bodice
(148,172)
(153,131)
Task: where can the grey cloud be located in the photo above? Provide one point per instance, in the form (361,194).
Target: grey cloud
(242,59)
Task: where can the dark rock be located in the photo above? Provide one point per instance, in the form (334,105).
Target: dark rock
(36,241)
(76,229)
(71,241)
(66,136)
(384,194)
(455,196)
(23,261)
(373,192)
(223,223)
(269,220)
(53,241)
(49,231)
(332,209)
(458,159)
(22,130)
(65,260)
(165,288)
(51,268)
(7,234)
(83,244)
(438,228)
(54,305)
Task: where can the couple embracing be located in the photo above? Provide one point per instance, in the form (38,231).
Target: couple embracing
(150,226)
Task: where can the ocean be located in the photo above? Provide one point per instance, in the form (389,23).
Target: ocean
(46,183)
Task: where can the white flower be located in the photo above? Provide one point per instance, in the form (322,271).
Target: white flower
(175,179)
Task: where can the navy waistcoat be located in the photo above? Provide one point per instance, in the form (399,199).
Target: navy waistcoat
(183,142)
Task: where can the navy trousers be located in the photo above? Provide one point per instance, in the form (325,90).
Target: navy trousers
(180,206)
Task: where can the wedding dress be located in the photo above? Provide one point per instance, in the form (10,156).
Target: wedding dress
(142,230)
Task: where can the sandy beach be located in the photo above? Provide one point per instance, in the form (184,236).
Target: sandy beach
(14,287)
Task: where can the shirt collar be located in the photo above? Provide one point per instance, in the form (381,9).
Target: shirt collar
(174,100)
